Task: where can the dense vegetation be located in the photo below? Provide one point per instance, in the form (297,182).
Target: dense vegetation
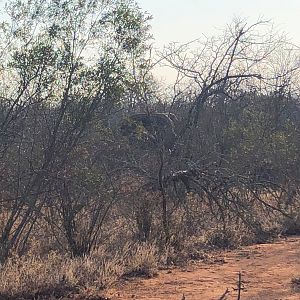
(103,167)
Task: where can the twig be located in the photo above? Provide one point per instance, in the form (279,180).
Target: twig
(224,294)
(239,286)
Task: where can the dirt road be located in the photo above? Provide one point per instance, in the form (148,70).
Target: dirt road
(266,269)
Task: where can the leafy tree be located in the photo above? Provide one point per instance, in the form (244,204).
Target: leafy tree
(69,62)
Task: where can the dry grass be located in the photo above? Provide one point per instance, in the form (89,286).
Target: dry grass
(143,261)
(58,276)
(40,276)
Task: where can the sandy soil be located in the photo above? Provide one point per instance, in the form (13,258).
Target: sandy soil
(266,269)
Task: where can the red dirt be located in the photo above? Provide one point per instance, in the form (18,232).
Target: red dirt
(267,270)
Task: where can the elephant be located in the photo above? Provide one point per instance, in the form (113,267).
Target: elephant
(158,128)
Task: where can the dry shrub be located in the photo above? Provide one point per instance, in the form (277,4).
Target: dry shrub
(93,272)
(180,252)
(142,261)
(296,283)
(229,237)
(291,225)
(30,274)
(57,275)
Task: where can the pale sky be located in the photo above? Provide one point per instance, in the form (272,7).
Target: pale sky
(186,20)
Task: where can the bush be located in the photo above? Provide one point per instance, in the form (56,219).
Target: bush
(142,261)
(227,238)
(291,226)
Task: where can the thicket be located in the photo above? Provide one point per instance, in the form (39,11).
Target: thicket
(102,164)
